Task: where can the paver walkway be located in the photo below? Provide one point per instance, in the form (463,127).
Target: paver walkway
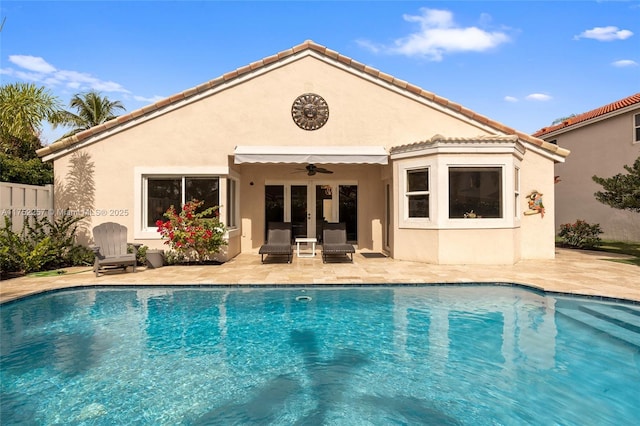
(573,271)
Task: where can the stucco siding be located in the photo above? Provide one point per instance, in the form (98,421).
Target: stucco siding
(600,149)
(108,171)
(537,232)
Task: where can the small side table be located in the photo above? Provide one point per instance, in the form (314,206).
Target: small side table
(313,242)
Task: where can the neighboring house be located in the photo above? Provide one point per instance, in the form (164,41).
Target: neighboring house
(602,142)
(309,136)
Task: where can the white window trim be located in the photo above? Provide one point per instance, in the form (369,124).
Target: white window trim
(408,194)
(140,174)
(516,192)
(236,202)
(483,222)
(635,118)
(404,221)
(438,166)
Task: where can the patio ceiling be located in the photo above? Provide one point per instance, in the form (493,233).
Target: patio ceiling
(316,154)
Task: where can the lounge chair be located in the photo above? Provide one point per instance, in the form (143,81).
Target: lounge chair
(334,241)
(278,241)
(110,248)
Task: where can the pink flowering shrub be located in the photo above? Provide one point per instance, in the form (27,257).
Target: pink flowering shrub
(192,235)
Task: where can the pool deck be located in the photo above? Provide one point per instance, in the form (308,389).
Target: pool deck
(572,271)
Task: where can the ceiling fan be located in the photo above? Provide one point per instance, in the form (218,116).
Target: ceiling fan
(312,169)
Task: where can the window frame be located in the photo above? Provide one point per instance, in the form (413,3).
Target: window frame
(141,176)
(408,194)
(636,129)
(232,216)
(516,192)
(476,168)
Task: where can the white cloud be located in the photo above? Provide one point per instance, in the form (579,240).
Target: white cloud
(624,63)
(32,63)
(35,69)
(151,100)
(510,99)
(538,97)
(609,33)
(440,35)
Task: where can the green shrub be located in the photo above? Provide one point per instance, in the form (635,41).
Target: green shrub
(580,234)
(81,256)
(11,247)
(42,244)
(173,257)
(141,254)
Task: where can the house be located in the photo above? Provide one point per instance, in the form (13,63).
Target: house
(602,142)
(309,136)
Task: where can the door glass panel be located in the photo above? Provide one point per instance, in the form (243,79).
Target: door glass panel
(348,210)
(273,205)
(324,208)
(299,210)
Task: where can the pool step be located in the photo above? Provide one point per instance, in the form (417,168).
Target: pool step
(622,323)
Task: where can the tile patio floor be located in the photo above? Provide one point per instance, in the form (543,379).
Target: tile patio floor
(573,271)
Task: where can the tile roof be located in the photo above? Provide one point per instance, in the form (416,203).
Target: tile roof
(440,139)
(590,115)
(68,143)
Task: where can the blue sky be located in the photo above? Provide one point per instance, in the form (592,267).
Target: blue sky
(522,63)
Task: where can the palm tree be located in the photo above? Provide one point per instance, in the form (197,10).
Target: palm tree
(23,109)
(93,109)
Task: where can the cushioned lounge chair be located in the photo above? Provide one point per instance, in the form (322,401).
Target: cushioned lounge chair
(334,242)
(278,241)
(110,248)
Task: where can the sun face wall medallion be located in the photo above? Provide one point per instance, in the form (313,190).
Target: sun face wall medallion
(310,111)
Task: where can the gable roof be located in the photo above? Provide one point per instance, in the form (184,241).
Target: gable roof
(126,120)
(613,108)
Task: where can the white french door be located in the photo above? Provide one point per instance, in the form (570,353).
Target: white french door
(309,204)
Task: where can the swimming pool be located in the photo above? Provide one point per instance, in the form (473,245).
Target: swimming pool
(444,355)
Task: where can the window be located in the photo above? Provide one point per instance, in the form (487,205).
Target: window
(232,207)
(475,192)
(164,192)
(516,190)
(636,123)
(417,193)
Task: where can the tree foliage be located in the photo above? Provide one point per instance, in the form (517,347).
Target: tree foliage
(23,109)
(92,110)
(562,119)
(28,172)
(621,191)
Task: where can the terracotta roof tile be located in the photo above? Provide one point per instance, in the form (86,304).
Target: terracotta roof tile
(358,65)
(331,53)
(595,113)
(244,70)
(270,59)
(307,45)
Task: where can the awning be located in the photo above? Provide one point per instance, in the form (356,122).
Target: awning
(315,154)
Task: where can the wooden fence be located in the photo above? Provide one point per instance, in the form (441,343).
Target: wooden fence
(21,202)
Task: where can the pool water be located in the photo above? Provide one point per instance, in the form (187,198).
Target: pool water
(440,355)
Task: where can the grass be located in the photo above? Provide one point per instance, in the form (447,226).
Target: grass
(618,247)
(622,247)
